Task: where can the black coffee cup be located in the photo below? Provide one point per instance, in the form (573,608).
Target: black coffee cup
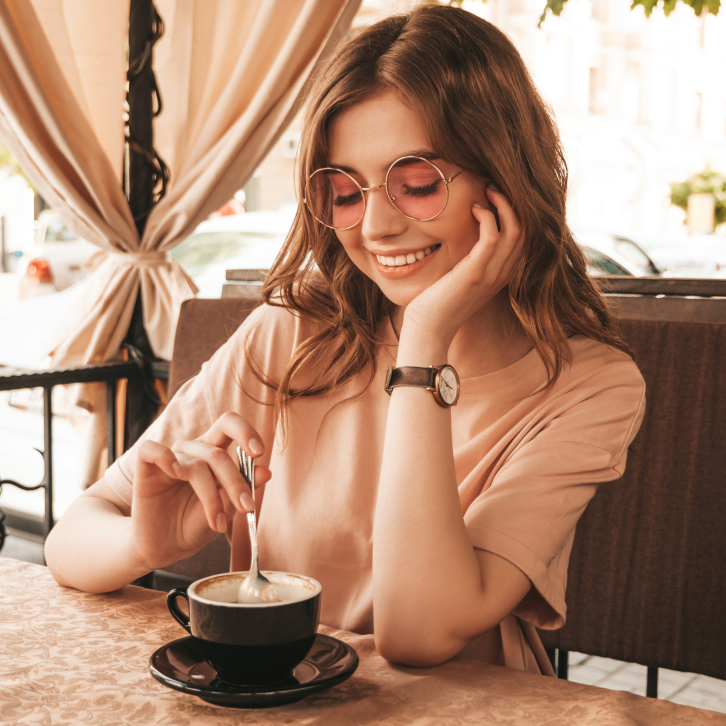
(250,644)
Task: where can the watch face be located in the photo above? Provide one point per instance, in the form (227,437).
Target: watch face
(448,385)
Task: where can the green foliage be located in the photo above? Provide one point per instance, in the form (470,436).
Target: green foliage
(705,182)
(554,6)
(699,6)
(7,161)
(6,158)
(711,6)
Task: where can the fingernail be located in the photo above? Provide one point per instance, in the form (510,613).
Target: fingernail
(256,447)
(221,523)
(477,205)
(176,468)
(247,502)
(494,187)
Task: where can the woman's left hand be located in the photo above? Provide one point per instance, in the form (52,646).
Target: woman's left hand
(442,308)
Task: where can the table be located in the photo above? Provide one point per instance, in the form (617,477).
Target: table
(67,657)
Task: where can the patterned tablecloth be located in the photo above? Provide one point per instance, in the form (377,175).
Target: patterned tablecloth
(67,657)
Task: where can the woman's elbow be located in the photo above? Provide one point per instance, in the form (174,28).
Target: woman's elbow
(416,652)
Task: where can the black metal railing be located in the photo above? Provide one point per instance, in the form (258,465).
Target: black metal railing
(109,373)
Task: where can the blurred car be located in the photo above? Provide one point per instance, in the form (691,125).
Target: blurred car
(28,327)
(610,251)
(244,241)
(599,264)
(253,240)
(697,255)
(56,262)
(249,241)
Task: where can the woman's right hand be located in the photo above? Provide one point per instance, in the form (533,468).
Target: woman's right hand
(184,496)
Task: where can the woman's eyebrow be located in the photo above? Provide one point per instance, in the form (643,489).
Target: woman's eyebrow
(343,167)
(423,153)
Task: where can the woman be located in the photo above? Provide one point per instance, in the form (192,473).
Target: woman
(443,500)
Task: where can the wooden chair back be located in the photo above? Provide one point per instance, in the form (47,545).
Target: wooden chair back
(204,325)
(647,574)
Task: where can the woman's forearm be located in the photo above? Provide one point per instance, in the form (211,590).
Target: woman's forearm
(90,547)
(427,581)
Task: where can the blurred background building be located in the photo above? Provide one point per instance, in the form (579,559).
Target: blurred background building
(641,103)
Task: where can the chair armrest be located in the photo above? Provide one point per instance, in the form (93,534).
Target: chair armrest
(678,286)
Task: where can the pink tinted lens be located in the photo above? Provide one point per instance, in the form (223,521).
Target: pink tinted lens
(417,188)
(335,199)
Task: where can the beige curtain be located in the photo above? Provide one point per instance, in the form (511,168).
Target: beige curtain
(230,74)
(54,111)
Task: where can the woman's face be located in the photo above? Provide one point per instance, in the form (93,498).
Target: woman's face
(366,139)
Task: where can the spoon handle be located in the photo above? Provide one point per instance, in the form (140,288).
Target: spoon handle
(247,467)
(252,479)
(252,520)
(254,569)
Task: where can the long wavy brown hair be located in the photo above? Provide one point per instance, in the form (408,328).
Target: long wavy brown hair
(483,113)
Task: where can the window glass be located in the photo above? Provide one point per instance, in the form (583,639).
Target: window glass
(599,264)
(201,250)
(631,252)
(58,232)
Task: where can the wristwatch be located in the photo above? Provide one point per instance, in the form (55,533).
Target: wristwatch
(442,381)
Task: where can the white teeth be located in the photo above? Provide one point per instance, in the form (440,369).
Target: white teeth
(402,260)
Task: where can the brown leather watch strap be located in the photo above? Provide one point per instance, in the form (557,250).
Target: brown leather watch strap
(410,376)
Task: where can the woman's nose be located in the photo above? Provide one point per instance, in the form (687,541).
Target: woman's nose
(381,218)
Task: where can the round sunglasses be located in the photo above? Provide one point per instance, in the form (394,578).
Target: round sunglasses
(415,186)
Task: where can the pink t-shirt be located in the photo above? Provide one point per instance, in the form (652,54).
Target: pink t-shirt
(526,464)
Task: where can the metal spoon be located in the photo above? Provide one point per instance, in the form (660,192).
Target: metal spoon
(255,587)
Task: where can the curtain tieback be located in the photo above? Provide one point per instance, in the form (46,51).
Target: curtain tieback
(141,259)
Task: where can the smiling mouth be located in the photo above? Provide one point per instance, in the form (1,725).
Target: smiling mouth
(409,259)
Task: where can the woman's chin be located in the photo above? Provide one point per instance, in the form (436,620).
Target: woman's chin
(399,298)
(400,292)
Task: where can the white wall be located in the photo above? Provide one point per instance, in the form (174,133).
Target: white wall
(16,205)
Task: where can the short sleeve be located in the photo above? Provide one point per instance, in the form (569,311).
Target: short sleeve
(225,383)
(529,512)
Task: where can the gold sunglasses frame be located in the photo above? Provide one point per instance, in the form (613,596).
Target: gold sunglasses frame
(364,190)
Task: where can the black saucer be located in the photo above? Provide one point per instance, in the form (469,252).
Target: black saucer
(180,666)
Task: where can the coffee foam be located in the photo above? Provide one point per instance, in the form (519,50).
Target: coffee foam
(225,588)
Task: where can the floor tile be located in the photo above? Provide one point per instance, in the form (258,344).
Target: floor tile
(688,689)
(710,701)
(22,549)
